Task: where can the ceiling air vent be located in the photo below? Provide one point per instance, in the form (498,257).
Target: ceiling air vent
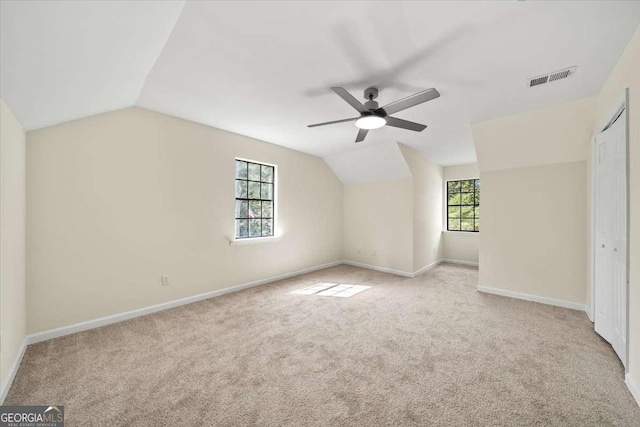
(551,77)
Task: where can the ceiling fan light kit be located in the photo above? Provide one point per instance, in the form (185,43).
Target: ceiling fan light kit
(371,122)
(374,117)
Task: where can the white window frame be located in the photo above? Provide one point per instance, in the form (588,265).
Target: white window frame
(262,239)
(445,199)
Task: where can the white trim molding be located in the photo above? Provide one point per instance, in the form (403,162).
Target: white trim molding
(633,388)
(533,298)
(392,270)
(426,267)
(103,321)
(254,240)
(13,370)
(377,268)
(587,309)
(461,262)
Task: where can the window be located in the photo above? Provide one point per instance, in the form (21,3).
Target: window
(463,205)
(254,199)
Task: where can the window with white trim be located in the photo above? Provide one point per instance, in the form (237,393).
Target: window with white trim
(463,205)
(255,199)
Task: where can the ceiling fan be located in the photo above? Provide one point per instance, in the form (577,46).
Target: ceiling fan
(374,117)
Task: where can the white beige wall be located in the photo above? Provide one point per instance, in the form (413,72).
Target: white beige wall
(533,177)
(427,208)
(456,245)
(117,200)
(378,224)
(12,243)
(626,74)
(469,171)
(533,231)
(396,224)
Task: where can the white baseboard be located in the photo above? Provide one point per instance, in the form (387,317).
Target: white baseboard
(534,298)
(587,309)
(633,388)
(103,321)
(407,273)
(426,267)
(392,270)
(378,268)
(12,372)
(458,261)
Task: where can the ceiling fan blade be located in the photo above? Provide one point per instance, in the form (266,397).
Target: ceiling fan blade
(362,133)
(342,93)
(333,122)
(405,124)
(409,101)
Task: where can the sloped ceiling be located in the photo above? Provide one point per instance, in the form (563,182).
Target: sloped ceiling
(374,163)
(263,69)
(63,60)
(557,134)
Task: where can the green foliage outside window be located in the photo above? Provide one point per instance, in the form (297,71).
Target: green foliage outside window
(254,199)
(463,205)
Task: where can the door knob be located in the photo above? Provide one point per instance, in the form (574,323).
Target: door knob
(615,249)
(603,245)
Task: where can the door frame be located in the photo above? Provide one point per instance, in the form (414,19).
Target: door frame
(621,103)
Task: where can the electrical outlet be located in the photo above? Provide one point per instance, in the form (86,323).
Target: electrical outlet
(358,251)
(165,280)
(373,253)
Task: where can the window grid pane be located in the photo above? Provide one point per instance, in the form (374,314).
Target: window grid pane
(254,199)
(463,205)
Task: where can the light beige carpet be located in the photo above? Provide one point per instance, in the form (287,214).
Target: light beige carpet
(425,351)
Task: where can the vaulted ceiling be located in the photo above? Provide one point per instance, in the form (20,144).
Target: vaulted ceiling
(263,69)
(63,60)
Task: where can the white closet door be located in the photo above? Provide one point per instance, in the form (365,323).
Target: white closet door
(611,237)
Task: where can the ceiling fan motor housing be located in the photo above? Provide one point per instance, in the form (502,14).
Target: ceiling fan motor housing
(371,105)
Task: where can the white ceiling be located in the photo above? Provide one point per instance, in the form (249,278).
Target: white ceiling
(370,163)
(63,60)
(263,69)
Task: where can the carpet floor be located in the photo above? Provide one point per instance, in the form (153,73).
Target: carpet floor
(424,351)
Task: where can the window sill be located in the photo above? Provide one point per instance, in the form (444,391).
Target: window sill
(253,240)
(461,232)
